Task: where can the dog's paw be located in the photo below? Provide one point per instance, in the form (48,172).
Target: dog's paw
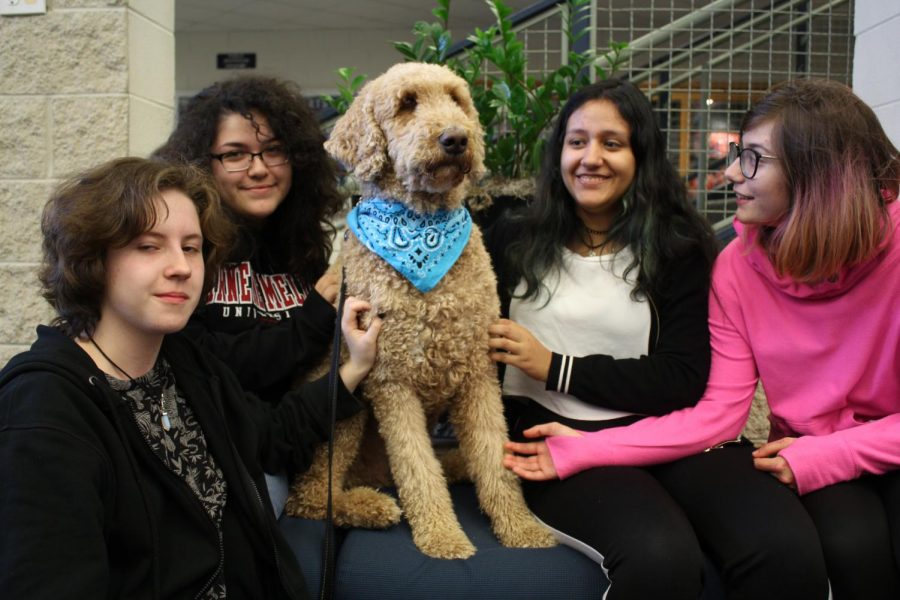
(365,507)
(523,531)
(306,502)
(447,542)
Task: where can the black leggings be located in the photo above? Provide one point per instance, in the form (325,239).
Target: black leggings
(642,522)
(753,527)
(859,525)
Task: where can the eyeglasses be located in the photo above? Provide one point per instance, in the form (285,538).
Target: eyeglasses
(239,160)
(749,159)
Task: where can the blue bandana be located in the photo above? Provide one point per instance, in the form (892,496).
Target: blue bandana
(421,247)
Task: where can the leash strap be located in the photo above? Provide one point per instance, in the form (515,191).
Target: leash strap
(326,591)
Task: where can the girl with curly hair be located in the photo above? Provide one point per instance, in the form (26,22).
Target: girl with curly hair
(270,315)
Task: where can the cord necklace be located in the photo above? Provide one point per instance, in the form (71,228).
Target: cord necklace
(164,412)
(588,242)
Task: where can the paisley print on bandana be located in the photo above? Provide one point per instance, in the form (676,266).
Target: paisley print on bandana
(421,247)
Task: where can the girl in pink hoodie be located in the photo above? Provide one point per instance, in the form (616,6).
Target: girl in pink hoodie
(805,301)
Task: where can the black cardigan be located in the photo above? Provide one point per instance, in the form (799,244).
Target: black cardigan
(672,375)
(88,510)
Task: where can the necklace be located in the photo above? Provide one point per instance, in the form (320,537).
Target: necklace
(164,412)
(594,231)
(587,242)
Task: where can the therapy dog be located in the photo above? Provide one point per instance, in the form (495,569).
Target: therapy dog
(413,140)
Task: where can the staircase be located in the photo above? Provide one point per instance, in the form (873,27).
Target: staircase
(703,63)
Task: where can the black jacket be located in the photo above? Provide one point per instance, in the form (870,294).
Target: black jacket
(87,510)
(674,372)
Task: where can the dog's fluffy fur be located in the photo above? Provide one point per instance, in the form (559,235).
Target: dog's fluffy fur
(433,347)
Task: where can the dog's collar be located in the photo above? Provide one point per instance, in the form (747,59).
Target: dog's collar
(421,247)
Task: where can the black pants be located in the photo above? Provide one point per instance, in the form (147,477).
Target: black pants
(652,525)
(859,525)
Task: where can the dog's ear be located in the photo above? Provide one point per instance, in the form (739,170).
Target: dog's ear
(357,139)
(476,173)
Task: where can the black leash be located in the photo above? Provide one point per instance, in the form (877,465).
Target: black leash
(326,591)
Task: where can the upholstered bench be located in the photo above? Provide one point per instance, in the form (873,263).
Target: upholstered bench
(386,565)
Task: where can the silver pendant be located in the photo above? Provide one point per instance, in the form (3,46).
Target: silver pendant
(164,414)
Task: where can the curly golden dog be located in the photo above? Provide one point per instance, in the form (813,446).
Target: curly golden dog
(413,140)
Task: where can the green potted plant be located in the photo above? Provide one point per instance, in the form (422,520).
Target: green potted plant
(515,108)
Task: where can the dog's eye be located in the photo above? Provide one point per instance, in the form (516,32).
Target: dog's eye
(408,102)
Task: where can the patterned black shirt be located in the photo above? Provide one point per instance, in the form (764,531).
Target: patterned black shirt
(182,448)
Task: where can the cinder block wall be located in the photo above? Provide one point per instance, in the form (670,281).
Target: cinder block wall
(88,81)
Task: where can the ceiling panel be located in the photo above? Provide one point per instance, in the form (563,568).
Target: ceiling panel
(300,15)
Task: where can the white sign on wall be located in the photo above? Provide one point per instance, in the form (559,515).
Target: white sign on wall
(23,7)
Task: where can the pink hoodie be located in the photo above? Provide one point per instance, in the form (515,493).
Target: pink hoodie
(828,356)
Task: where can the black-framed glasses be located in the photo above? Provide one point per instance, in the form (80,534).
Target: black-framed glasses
(749,162)
(240,160)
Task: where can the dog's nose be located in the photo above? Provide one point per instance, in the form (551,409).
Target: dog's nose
(454,141)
